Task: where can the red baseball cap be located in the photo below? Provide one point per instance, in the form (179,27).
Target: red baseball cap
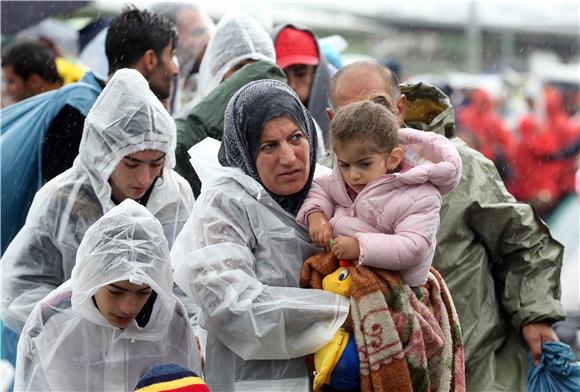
(295,47)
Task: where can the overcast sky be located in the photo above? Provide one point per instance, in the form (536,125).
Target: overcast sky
(520,14)
(548,15)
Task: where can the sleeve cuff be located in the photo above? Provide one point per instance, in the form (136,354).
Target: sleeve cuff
(548,310)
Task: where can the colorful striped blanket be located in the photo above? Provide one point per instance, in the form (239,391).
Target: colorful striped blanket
(408,338)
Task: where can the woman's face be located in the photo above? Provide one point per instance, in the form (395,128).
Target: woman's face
(121,302)
(283,160)
(135,174)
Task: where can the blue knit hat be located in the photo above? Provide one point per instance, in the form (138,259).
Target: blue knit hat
(170,378)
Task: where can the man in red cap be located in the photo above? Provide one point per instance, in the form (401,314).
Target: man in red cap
(306,68)
(297,55)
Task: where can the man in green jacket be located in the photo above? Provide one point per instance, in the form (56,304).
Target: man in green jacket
(206,119)
(498,258)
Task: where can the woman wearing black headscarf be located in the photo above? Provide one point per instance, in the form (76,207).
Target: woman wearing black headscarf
(240,254)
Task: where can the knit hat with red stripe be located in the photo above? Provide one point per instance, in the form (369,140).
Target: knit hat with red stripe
(170,378)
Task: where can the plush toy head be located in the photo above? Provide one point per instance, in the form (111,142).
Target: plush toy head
(339,281)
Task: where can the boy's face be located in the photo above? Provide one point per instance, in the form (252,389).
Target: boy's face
(162,76)
(121,302)
(16,86)
(135,174)
(300,77)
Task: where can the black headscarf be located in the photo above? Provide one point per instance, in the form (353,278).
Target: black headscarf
(247,113)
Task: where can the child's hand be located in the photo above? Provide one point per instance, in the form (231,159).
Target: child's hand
(319,229)
(346,248)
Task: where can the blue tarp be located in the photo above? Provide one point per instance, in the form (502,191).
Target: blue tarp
(556,372)
(24,125)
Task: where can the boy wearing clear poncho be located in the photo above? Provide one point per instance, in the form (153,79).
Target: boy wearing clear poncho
(126,151)
(117,316)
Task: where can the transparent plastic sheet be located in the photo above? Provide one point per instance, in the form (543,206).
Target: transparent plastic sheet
(237,37)
(23,129)
(68,344)
(126,118)
(239,257)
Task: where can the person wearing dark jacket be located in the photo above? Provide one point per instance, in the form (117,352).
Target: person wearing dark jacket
(498,258)
(136,39)
(226,67)
(206,119)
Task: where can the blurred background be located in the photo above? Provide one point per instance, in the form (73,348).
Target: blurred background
(515,61)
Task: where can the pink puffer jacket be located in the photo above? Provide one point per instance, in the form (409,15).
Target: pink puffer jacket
(395,217)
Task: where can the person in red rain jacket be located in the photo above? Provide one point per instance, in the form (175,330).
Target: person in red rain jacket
(535,179)
(494,138)
(558,123)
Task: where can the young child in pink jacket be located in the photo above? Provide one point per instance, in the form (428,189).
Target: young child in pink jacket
(380,206)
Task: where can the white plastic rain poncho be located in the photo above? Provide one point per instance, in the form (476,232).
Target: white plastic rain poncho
(239,256)
(68,345)
(237,37)
(126,118)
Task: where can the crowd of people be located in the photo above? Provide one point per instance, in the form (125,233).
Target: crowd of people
(125,268)
(538,159)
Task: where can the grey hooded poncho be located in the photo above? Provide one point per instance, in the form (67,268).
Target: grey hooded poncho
(238,37)
(126,118)
(68,345)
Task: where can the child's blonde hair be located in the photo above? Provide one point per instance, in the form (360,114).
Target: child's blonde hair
(372,121)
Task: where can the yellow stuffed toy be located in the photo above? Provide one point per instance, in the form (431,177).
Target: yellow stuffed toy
(337,363)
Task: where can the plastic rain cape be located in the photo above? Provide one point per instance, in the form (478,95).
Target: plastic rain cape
(67,344)
(238,37)
(239,257)
(126,118)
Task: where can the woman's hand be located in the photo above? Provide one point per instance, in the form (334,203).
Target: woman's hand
(319,229)
(347,248)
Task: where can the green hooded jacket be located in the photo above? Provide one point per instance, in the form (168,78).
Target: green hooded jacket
(206,119)
(497,256)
